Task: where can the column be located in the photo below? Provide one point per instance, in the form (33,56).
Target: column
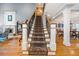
(53,37)
(24,38)
(66,21)
(52,44)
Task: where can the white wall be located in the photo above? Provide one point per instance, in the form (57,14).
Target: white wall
(1,19)
(1,22)
(6,21)
(23,10)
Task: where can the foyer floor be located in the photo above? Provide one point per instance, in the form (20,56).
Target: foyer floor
(62,50)
(12,48)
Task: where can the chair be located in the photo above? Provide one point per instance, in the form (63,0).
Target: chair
(77,34)
(73,34)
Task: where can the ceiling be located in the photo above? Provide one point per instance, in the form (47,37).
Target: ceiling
(75,7)
(54,9)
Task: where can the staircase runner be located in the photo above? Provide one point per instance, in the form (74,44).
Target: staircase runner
(38,45)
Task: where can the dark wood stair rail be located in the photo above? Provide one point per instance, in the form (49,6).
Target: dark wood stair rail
(48,23)
(30,23)
(44,7)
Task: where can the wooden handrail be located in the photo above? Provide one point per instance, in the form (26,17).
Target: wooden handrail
(27,21)
(44,7)
(48,23)
(48,19)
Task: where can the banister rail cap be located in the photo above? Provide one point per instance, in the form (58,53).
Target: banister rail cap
(27,21)
(49,20)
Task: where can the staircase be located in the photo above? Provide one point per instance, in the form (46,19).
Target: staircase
(38,44)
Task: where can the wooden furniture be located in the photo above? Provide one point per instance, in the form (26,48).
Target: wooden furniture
(74,34)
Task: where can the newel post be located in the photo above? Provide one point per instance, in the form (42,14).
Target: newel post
(52,39)
(24,39)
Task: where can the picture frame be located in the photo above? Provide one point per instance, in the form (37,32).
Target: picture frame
(9,17)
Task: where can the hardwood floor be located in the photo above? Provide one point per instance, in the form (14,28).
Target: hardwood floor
(12,48)
(63,50)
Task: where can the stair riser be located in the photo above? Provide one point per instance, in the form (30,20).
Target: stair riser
(47,40)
